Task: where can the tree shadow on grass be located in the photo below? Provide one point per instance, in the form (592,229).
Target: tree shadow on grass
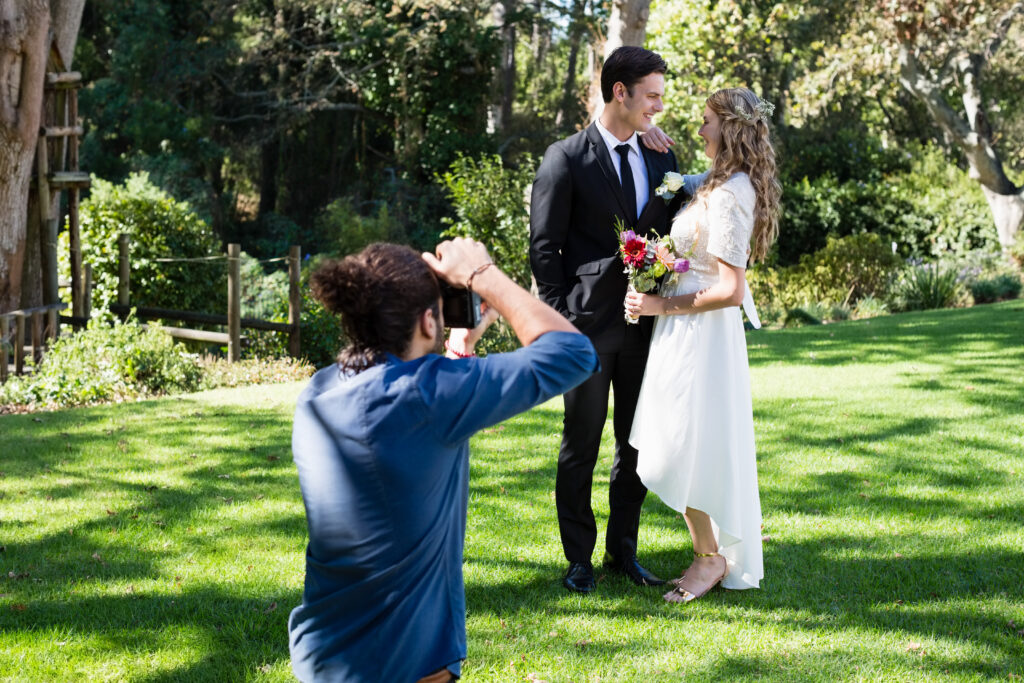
(808,589)
(113,460)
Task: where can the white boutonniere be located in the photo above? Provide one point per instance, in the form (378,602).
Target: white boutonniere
(670,184)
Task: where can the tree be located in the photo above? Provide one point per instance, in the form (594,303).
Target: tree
(627,25)
(939,44)
(946,56)
(24,45)
(27,28)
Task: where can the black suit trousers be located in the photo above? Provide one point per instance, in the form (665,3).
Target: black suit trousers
(586,410)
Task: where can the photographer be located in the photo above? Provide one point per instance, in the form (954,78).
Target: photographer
(381,443)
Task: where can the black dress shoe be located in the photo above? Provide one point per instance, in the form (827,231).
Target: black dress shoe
(580,577)
(627,564)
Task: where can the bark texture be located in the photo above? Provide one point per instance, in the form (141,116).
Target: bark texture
(627,25)
(24,45)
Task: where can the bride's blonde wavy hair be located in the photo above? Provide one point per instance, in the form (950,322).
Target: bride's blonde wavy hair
(746,147)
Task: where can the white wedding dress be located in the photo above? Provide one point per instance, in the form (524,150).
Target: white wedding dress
(694,425)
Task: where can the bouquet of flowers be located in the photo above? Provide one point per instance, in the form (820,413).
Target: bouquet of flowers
(648,260)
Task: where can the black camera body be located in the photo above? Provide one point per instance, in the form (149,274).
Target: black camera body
(460,306)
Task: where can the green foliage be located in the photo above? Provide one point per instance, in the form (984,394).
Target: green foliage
(218,372)
(948,211)
(928,209)
(344,231)
(998,288)
(926,286)
(491,207)
(1017,250)
(847,269)
(321,336)
(870,307)
(106,363)
(825,283)
(159,227)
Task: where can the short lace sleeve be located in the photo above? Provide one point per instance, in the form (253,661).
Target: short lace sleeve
(730,222)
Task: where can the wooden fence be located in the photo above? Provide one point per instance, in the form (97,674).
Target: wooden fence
(43,324)
(232,318)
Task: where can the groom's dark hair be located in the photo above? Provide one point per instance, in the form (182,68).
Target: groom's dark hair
(630,65)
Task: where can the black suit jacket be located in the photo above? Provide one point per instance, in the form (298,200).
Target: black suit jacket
(574,248)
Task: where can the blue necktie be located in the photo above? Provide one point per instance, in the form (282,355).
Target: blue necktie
(628,188)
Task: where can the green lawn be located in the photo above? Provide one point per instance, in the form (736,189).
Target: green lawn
(164,540)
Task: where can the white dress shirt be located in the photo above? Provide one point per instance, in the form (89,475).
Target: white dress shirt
(636,163)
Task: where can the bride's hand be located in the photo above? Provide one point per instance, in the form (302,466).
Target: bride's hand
(638,304)
(656,139)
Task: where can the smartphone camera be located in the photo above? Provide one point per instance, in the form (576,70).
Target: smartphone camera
(461,307)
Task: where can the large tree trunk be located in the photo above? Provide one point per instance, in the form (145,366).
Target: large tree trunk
(627,25)
(24,45)
(36,290)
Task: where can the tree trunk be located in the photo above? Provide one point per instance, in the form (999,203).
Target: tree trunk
(508,63)
(1008,213)
(24,45)
(627,25)
(565,110)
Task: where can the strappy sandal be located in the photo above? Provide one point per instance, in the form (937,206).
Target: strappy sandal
(687,596)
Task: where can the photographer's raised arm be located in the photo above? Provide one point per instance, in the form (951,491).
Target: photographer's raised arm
(460,260)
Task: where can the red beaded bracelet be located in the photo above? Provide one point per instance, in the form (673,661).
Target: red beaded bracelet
(447,347)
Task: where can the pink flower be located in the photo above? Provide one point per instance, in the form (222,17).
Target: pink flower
(681,266)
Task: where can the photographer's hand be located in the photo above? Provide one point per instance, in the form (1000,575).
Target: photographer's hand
(462,341)
(457,260)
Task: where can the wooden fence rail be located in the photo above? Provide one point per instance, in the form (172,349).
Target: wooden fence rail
(233,319)
(43,325)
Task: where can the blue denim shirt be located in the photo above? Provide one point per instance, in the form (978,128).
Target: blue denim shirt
(383,460)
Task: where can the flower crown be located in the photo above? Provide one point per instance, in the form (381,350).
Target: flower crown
(762,110)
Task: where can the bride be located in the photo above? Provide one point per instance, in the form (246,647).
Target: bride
(694,424)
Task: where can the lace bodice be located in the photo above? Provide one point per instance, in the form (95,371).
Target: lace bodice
(718,226)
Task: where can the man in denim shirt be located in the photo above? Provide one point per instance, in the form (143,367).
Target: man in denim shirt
(381,445)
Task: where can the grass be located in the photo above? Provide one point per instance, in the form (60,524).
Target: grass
(164,540)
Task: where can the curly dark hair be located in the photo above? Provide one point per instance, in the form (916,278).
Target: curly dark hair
(379,293)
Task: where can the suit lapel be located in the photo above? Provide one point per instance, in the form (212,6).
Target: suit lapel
(600,151)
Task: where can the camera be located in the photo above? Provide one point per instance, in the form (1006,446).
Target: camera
(460,307)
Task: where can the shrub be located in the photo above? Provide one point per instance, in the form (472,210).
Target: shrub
(1017,249)
(927,206)
(106,362)
(796,317)
(847,269)
(322,335)
(998,288)
(344,231)
(870,307)
(218,372)
(491,207)
(160,227)
(926,286)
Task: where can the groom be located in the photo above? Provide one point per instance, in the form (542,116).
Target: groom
(582,185)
